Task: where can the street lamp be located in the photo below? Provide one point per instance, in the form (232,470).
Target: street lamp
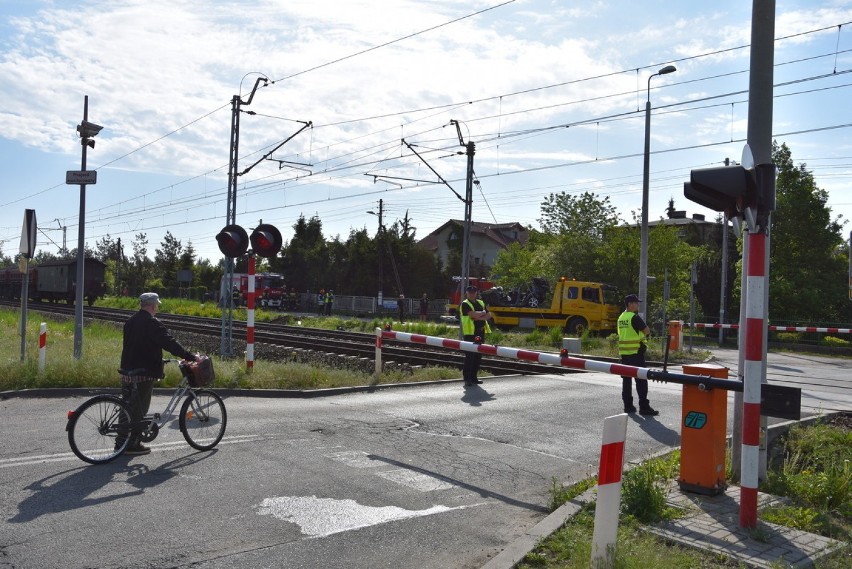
(643,247)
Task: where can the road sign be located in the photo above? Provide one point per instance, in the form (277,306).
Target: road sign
(28,234)
(81,177)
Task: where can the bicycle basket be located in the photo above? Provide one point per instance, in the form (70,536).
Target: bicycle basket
(200,372)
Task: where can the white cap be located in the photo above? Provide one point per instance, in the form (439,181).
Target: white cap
(149,298)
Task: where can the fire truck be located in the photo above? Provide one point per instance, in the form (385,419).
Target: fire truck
(268,289)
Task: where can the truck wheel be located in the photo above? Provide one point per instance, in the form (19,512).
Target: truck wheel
(576,326)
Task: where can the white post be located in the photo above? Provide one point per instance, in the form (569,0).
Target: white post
(42,346)
(609,490)
(378,371)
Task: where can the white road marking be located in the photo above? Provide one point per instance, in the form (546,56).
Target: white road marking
(355,459)
(63,456)
(417,480)
(320,517)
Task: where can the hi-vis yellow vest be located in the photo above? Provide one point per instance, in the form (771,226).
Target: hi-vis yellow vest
(629,339)
(468,326)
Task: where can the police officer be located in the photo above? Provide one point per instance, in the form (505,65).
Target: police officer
(474,316)
(632,332)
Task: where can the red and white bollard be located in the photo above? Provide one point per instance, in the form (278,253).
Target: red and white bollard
(609,490)
(250,315)
(42,346)
(378,370)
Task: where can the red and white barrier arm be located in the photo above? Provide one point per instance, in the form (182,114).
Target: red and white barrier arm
(783,328)
(811,329)
(554,359)
(516,354)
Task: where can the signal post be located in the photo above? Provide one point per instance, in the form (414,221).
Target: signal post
(233,242)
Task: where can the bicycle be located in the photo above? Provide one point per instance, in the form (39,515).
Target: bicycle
(99,430)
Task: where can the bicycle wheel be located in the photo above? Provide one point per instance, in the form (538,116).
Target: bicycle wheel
(202,419)
(98,429)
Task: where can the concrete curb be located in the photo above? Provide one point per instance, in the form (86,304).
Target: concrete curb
(518,549)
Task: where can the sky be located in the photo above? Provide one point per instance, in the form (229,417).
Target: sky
(375,100)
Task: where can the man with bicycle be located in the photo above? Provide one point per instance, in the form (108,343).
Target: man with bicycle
(145,338)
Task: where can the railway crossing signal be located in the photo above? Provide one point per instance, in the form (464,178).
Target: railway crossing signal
(233,241)
(746,191)
(266,240)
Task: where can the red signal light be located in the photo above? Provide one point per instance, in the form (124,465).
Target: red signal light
(266,240)
(233,241)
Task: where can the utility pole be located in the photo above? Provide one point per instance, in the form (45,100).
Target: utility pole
(470,150)
(226,348)
(87,131)
(380,237)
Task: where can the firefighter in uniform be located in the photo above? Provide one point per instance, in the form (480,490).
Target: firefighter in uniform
(474,316)
(632,332)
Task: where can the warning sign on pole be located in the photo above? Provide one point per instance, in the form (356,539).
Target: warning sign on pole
(28,234)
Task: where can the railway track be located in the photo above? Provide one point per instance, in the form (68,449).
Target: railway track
(357,344)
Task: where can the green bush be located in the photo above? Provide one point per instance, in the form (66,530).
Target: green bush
(535,338)
(835,342)
(789,337)
(643,489)
(556,336)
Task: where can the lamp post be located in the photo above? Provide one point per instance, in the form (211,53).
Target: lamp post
(643,247)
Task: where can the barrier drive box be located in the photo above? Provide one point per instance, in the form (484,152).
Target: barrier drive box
(704,420)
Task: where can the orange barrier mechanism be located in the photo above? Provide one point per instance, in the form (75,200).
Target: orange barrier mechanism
(676,335)
(704,420)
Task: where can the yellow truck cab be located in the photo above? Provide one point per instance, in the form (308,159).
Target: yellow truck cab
(575,306)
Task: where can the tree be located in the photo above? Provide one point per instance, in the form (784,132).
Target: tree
(808,263)
(140,268)
(305,262)
(584,215)
(573,229)
(167,260)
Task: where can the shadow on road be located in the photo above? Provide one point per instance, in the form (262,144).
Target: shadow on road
(656,430)
(455,482)
(475,396)
(93,485)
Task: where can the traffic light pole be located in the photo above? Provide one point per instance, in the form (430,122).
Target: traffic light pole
(753,345)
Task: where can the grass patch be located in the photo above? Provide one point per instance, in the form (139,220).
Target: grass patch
(101,353)
(570,548)
(816,474)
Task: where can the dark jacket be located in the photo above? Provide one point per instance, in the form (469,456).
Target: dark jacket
(145,338)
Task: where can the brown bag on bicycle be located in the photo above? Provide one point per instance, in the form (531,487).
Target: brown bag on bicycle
(201,372)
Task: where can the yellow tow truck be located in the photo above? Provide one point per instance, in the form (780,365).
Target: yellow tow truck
(575,306)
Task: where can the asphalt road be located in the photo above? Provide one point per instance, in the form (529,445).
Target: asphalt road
(431,476)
